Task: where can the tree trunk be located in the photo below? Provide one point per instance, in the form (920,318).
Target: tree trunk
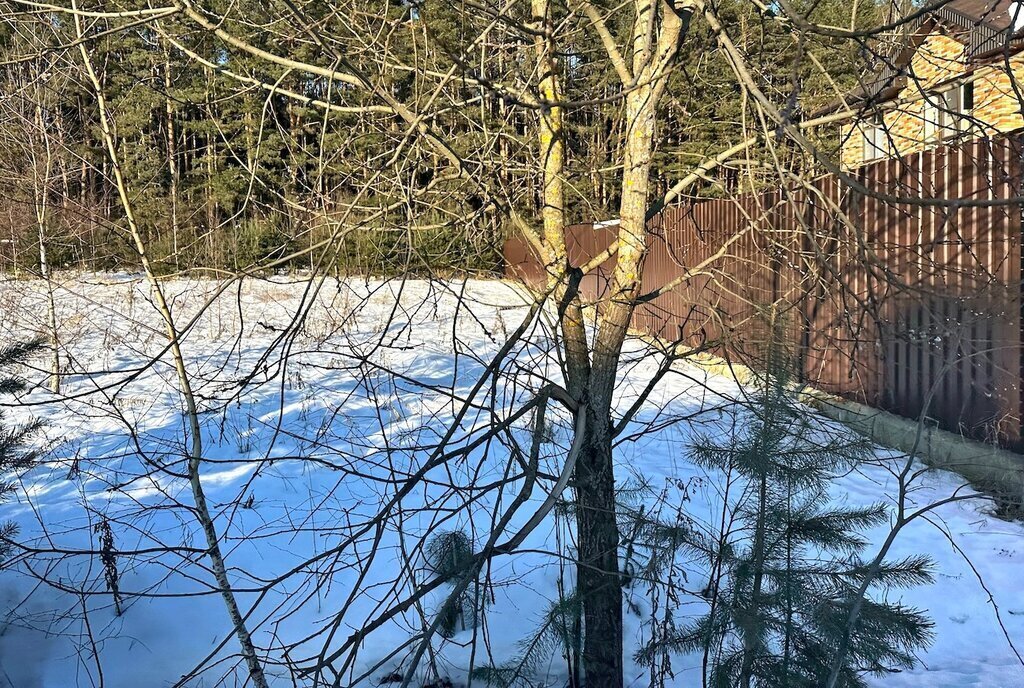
(591,373)
(212,220)
(598,582)
(172,158)
(600,585)
(41,180)
(194,435)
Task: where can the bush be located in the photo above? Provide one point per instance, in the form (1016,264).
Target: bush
(450,554)
(15,455)
(260,240)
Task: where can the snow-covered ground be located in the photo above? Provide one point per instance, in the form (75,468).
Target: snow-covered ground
(318,402)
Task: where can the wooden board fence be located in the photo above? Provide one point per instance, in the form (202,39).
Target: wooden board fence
(900,284)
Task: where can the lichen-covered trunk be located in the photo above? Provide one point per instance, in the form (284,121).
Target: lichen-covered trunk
(597,534)
(632,241)
(551,140)
(600,583)
(591,370)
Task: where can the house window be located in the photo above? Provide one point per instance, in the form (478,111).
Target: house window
(947,112)
(931,116)
(877,143)
(950,111)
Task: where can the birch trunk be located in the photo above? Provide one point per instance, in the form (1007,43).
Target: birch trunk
(41,182)
(195,440)
(172,156)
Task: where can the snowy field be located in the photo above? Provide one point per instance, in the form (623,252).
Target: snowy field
(318,401)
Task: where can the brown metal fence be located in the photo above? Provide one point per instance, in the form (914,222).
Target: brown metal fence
(892,299)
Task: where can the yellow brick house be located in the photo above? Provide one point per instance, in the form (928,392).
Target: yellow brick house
(957,72)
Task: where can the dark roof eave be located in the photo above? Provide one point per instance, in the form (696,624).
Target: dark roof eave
(1015,46)
(987,42)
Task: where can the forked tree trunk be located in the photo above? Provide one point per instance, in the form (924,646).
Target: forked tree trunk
(591,372)
(597,583)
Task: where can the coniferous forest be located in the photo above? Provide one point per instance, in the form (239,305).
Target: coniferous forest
(233,161)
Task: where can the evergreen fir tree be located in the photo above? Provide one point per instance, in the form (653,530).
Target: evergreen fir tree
(14,455)
(557,634)
(448,555)
(791,565)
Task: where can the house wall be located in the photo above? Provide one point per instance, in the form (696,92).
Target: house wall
(938,61)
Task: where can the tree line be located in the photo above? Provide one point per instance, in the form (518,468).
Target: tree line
(234,162)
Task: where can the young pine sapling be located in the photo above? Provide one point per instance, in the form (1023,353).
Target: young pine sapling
(786,573)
